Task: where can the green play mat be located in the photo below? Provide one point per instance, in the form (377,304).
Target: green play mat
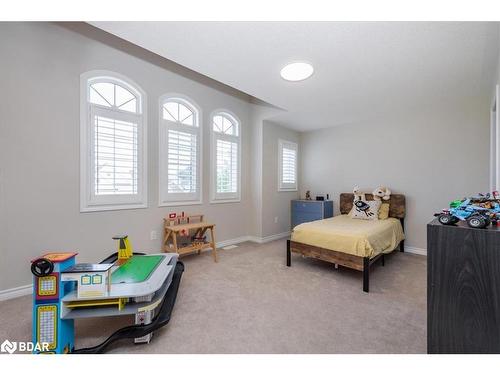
(137,269)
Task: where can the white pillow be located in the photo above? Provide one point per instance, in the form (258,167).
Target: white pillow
(366,210)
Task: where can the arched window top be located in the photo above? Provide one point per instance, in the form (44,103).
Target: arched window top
(225,123)
(180,110)
(114,93)
(113,143)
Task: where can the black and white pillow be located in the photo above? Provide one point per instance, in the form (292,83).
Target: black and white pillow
(366,210)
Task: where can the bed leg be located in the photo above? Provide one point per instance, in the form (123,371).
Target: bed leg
(383,260)
(366,274)
(288,254)
(402,246)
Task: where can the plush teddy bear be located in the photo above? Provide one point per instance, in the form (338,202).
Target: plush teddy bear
(381,193)
(358,194)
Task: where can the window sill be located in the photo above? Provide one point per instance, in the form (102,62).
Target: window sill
(179,203)
(216,201)
(287,190)
(113,207)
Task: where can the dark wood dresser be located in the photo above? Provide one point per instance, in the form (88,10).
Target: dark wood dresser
(463,289)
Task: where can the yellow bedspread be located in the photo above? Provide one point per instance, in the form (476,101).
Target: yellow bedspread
(351,236)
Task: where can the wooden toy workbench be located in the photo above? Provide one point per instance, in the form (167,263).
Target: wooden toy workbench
(189,230)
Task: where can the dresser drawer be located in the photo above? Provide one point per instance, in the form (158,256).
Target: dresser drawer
(307,207)
(304,217)
(304,211)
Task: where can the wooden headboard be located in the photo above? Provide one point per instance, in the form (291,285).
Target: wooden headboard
(397,204)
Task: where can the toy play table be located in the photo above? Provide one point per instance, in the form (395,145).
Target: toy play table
(143,279)
(136,278)
(143,285)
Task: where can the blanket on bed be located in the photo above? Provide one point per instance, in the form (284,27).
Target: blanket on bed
(352,236)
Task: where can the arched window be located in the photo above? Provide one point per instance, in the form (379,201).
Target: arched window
(113,146)
(225,124)
(180,151)
(226,148)
(113,94)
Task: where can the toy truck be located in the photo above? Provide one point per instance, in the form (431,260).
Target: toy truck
(478,212)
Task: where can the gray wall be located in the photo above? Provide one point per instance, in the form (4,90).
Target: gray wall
(495,115)
(258,115)
(39,155)
(433,156)
(275,204)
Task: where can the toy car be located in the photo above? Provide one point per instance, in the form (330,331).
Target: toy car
(478,212)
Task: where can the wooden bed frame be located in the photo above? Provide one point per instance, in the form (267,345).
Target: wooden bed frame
(397,209)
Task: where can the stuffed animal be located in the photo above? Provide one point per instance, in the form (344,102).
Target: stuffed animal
(308,195)
(358,194)
(381,193)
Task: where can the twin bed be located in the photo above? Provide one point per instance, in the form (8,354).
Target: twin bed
(352,243)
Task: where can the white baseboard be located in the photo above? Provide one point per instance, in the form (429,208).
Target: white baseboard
(15,292)
(269,238)
(415,250)
(256,239)
(233,241)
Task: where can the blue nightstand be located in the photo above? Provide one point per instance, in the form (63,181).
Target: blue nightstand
(304,211)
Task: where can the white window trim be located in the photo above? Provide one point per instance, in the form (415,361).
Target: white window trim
(215,197)
(88,203)
(281,186)
(163,199)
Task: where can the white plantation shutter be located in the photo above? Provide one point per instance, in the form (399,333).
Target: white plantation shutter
(113,152)
(226,158)
(287,165)
(227,167)
(181,162)
(289,160)
(180,152)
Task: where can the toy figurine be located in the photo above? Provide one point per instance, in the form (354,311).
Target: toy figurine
(308,195)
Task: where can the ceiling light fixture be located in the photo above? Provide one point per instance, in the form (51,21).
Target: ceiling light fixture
(297,71)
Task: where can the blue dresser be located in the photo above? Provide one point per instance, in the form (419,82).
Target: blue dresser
(304,211)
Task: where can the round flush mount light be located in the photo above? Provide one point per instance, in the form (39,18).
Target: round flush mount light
(297,71)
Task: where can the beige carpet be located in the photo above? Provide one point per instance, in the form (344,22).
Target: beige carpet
(250,302)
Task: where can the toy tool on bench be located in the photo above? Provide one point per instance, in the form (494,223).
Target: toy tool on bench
(125,283)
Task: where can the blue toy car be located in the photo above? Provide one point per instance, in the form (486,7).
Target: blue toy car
(476,214)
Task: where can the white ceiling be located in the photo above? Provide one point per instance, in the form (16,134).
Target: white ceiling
(362,70)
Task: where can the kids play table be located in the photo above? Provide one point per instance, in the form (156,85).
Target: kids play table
(138,286)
